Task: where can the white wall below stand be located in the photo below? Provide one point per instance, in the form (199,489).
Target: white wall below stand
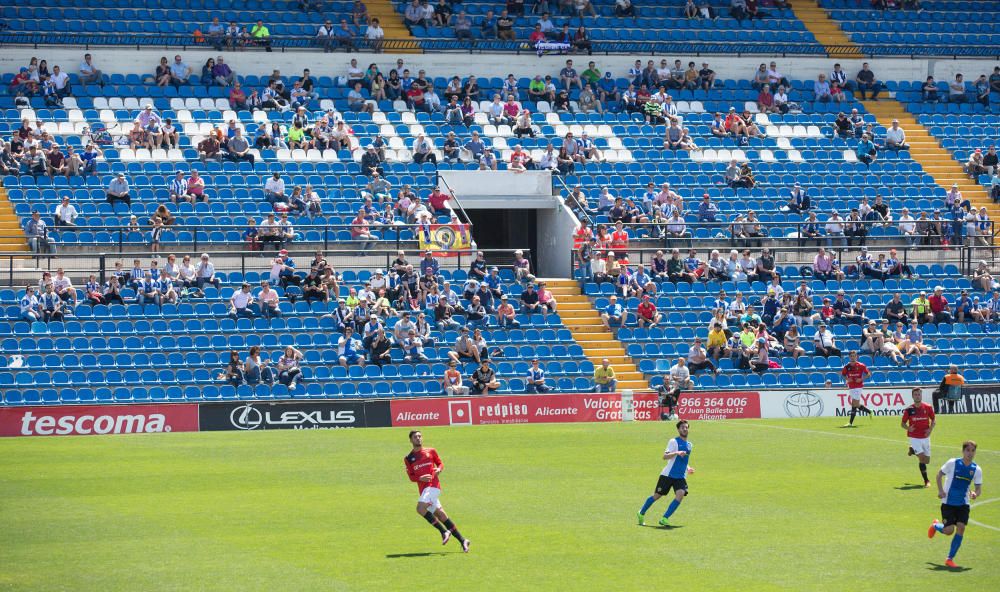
(144,61)
(555,239)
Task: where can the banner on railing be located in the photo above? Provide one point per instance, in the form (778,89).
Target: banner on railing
(831,402)
(293,415)
(443,240)
(700,405)
(85,420)
(974,399)
(577,407)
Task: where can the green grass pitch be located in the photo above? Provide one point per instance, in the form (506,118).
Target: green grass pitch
(774,505)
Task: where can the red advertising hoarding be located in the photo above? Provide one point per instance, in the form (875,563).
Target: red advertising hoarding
(98,419)
(575,407)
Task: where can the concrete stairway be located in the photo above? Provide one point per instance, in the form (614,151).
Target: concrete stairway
(11,234)
(391,21)
(584,322)
(826,30)
(939,162)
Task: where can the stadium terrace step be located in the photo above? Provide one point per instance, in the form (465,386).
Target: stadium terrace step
(597,342)
(937,161)
(826,30)
(11,233)
(391,21)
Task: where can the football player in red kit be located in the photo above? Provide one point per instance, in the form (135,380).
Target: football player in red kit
(918,421)
(855,373)
(423,465)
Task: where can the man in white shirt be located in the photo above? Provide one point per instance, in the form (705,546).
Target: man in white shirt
(835,229)
(240,303)
(825,344)
(61,81)
(908,227)
(274,189)
(549,160)
(895,137)
(680,376)
(63,287)
(65,214)
(89,74)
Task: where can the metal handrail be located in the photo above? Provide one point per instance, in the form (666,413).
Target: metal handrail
(965,257)
(728,226)
(13,273)
(576,206)
(454,197)
(421,45)
(123,231)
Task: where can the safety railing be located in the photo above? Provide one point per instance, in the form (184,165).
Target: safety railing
(78,266)
(964,258)
(123,237)
(737,234)
(184,41)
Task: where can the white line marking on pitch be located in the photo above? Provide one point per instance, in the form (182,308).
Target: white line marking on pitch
(978,523)
(901,440)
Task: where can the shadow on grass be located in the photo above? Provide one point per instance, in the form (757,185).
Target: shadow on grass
(658,527)
(939,567)
(425,554)
(908,487)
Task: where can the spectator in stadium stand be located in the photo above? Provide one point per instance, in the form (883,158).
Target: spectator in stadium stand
(865,82)
(823,266)
(546,300)
(233,372)
(679,377)
(895,137)
(939,308)
(65,214)
(452,381)
(506,315)
(677,271)
(413,347)
(238,149)
(866,151)
(604,378)
(380,348)
(240,303)
(895,310)
(522,267)
(956,90)
(698,359)
(350,349)
(256,369)
(289,370)
(646,313)
(921,309)
(261,35)
(982,88)
(529,300)
(484,379)
(209,149)
(949,390)
(620,241)
(982,278)
(798,199)
(268,301)
(614,313)
(535,379)
(826,345)
(118,191)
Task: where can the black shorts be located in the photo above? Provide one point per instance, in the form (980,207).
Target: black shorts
(954,514)
(664,484)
